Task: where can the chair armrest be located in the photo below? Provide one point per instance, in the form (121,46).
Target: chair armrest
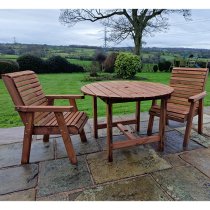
(44,108)
(65,96)
(197,97)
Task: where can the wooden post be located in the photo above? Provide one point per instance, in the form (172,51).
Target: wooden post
(46,137)
(66,138)
(95,120)
(73,103)
(189,125)
(162,123)
(200,117)
(138,116)
(27,138)
(109,130)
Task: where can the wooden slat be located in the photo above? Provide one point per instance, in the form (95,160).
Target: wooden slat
(42,101)
(136,141)
(194,76)
(18,74)
(83,119)
(190,69)
(199,80)
(45,119)
(34,100)
(33,95)
(29,91)
(23,78)
(72,118)
(30,86)
(186,87)
(125,131)
(114,124)
(199,84)
(26,82)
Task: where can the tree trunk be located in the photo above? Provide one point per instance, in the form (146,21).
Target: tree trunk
(138,44)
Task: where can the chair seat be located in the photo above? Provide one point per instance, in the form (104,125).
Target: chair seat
(75,121)
(174,112)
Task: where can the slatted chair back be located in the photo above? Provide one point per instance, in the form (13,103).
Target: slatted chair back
(25,89)
(187,82)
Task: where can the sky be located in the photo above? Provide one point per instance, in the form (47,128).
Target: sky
(41,26)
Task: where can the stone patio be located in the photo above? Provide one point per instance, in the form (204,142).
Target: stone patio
(138,173)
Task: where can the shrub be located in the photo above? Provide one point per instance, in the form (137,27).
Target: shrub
(109,62)
(8,67)
(164,65)
(58,64)
(201,64)
(155,68)
(127,65)
(100,57)
(31,62)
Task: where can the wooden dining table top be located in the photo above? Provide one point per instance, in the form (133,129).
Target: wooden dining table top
(137,90)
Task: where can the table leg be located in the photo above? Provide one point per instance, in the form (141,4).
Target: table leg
(95,120)
(109,130)
(138,116)
(162,123)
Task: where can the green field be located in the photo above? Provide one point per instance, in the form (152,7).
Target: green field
(71,84)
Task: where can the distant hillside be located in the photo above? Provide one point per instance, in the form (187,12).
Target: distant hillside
(80,51)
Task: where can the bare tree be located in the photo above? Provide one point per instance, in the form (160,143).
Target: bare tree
(124,23)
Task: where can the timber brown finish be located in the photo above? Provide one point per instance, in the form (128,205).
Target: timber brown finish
(127,91)
(186,101)
(39,115)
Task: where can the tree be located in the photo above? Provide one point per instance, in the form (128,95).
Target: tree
(124,23)
(100,57)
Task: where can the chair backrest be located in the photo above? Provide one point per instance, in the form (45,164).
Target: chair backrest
(187,82)
(24,89)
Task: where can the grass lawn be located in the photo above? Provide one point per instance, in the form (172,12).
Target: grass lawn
(71,84)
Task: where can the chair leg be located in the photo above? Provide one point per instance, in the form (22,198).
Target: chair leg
(150,125)
(189,125)
(187,133)
(200,117)
(27,139)
(167,121)
(83,136)
(66,137)
(46,138)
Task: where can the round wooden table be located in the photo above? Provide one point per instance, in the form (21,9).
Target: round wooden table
(127,91)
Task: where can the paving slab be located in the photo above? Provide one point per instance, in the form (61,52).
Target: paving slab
(174,143)
(26,195)
(206,110)
(138,189)
(206,119)
(199,158)
(60,175)
(10,155)
(81,148)
(175,160)
(18,178)
(63,196)
(11,135)
(184,183)
(206,129)
(126,163)
(195,136)
(175,124)
(144,125)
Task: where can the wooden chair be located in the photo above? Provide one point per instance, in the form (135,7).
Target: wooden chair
(39,115)
(186,101)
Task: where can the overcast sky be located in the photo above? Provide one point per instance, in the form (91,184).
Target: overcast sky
(42,26)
